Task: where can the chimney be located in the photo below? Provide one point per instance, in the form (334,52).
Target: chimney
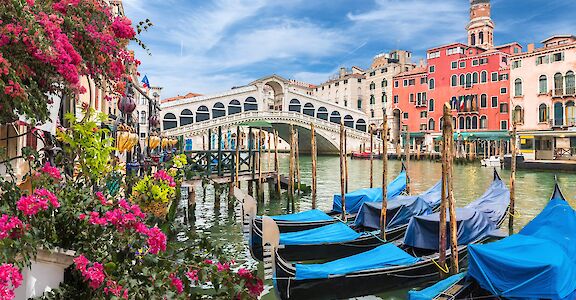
(342,71)
(421,63)
(530,48)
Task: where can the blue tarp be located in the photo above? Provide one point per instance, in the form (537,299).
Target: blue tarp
(305,216)
(383,256)
(475,221)
(337,232)
(433,291)
(354,200)
(400,209)
(539,262)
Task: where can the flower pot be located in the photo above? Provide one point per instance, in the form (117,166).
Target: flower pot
(45,273)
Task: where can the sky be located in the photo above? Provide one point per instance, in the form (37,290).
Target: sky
(210,46)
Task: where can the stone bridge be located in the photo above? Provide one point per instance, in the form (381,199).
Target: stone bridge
(273,99)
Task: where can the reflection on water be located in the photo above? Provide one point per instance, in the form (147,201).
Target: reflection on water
(533,190)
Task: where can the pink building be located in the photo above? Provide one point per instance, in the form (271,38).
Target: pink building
(542,98)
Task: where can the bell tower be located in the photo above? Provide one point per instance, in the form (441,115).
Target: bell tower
(481,27)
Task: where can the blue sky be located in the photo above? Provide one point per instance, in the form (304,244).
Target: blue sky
(207,46)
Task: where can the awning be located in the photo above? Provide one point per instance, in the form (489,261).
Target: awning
(414,134)
(256,124)
(479,135)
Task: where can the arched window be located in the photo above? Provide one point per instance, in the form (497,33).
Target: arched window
(384,83)
(481,37)
(461,123)
(454,103)
(483,122)
(473,39)
(143,117)
(558,114)
(570,113)
(570,87)
(294,105)
(454,80)
(372,99)
(518,115)
(186,117)
(361,125)
(518,87)
(335,117)
(169,121)
(468,80)
(431,124)
(431,105)
(322,113)
(558,84)
(308,109)
(234,107)
(348,121)
(431,83)
(462,79)
(218,110)
(475,77)
(372,86)
(483,101)
(543,113)
(202,114)
(250,104)
(468,123)
(543,85)
(483,77)
(474,122)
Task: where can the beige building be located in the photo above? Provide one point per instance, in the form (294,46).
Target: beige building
(543,96)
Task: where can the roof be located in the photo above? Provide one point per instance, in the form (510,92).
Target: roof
(189,95)
(415,71)
(507,45)
(557,37)
(447,45)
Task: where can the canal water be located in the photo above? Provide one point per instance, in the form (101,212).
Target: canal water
(533,190)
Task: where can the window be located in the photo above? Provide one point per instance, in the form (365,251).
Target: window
(516,64)
(372,113)
(504,125)
(494,76)
(373,73)
(468,123)
(423,80)
(503,77)
(405,115)
(474,77)
(468,80)
(431,124)
(473,39)
(431,83)
(454,80)
(359,80)
(372,86)
(484,61)
(462,64)
(384,83)
(454,65)
(483,77)
(396,83)
(503,90)
(383,70)
(543,113)
(462,79)
(384,98)
(337,84)
(518,115)
(411,98)
(455,50)
(558,84)
(474,122)
(431,105)
(494,102)
(405,82)
(396,99)
(543,85)
(435,54)
(569,79)
(372,99)
(345,81)
(475,62)
(544,59)
(461,123)
(558,56)
(143,119)
(481,37)
(412,82)
(483,122)
(359,103)
(423,114)
(432,69)
(518,87)
(503,108)
(483,101)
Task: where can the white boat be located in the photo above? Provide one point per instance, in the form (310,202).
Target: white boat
(493,161)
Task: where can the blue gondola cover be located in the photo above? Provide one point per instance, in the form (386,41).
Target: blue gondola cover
(431,292)
(305,216)
(354,200)
(475,221)
(537,263)
(333,233)
(383,256)
(400,209)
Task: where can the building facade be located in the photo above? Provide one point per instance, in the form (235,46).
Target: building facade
(543,96)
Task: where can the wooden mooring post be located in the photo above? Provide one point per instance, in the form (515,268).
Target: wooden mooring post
(342,171)
(260,189)
(277,163)
(407,161)
(291,168)
(313,153)
(371,157)
(443,203)
(237,167)
(512,180)
(346,160)
(384,208)
(297,153)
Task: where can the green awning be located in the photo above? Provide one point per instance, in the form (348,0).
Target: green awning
(480,135)
(414,134)
(257,124)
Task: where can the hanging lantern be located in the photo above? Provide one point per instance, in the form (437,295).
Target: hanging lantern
(127,105)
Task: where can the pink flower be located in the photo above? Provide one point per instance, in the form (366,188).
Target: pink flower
(8,225)
(102,198)
(94,274)
(208,261)
(163,176)
(125,294)
(192,274)
(222,267)
(156,240)
(30,2)
(45,194)
(51,171)
(245,273)
(114,288)
(10,279)
(122,28)
(81,263)
(31,205)
(176,283)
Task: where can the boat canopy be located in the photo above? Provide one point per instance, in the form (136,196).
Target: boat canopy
(387,255)
(475,221)
(537,263)
(355,199)
(434,290)
(400,209)
(305,216)
(333,233)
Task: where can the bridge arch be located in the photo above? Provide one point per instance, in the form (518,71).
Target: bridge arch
(294,105)
(169,121)
(234,107)
(349,121)
(250,104)
(202,114)
(335,117)
(322,113)
(186,117)
(361,125)
(308,109)
(218,110)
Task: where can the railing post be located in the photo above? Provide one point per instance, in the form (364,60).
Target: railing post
(219,150)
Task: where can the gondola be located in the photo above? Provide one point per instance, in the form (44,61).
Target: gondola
(340,240)
(536,263)
(393,265)
(365,155)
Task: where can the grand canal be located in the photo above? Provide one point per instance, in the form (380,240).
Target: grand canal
(533,190)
